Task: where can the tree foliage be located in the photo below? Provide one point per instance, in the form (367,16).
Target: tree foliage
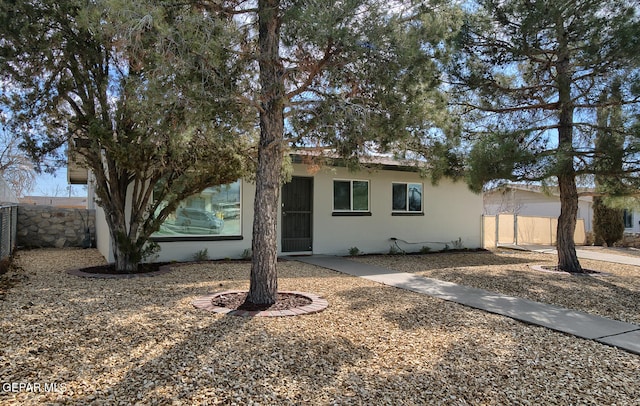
(138,94)
(608,225)
(608,222)
(353,77)
(528,77)
(16,167)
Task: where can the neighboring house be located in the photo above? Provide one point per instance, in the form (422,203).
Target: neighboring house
(6,194)
(323,210)
(631,220)
(531,200)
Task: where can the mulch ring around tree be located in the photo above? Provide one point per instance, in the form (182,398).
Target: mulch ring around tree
(287,304)
(556,270)
(109,271)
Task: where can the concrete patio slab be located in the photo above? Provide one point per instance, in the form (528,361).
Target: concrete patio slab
(580,324)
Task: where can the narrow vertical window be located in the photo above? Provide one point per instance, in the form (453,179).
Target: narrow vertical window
(341,195)
(628,218)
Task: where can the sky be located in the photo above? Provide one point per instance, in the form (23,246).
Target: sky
(56,185)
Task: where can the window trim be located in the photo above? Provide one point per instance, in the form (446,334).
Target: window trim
(351,211)
(407,212)
(198,238)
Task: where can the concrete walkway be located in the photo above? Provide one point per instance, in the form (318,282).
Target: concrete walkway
(607,331)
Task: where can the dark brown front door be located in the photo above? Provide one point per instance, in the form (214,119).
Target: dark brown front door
(297,214)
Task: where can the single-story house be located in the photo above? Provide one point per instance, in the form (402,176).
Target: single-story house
(532,200)
(324,210)
(7,196)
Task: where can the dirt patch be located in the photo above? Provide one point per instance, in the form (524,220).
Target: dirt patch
(237,301)
(288,303)
(555,269)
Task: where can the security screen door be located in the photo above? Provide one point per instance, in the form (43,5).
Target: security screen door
(297,214)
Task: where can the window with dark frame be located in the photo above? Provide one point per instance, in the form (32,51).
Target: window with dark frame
(214,213)
(407,197)
(350,195)
(628,218)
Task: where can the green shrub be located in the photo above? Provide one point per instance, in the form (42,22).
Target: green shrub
(608,223)
(202,255)
(247,254)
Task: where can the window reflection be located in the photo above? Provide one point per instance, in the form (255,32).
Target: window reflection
(214,211)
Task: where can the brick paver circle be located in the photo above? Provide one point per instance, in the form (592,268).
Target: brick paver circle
(317,304)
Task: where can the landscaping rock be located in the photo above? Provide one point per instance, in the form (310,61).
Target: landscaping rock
(128,341)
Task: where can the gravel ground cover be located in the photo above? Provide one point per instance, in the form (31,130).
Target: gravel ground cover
(140,341)
(615,295)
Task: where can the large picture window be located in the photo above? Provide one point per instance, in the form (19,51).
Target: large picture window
(407,197)
(351,195)
(214,212)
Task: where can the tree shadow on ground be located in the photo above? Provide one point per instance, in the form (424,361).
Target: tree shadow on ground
(496,360)
(208,363)
(466,356)
(602,295)
(359,299)
(450,259)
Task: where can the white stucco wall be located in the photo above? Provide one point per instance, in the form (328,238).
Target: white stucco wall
(451,212)
(103,239)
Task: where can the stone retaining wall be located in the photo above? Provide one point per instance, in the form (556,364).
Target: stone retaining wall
(47,226)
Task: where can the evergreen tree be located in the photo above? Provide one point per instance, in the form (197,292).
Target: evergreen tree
(608,222)
(136,96)
(351,76)
(529,75)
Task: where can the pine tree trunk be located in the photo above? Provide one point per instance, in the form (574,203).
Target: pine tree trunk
(264,282)
(567,257)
